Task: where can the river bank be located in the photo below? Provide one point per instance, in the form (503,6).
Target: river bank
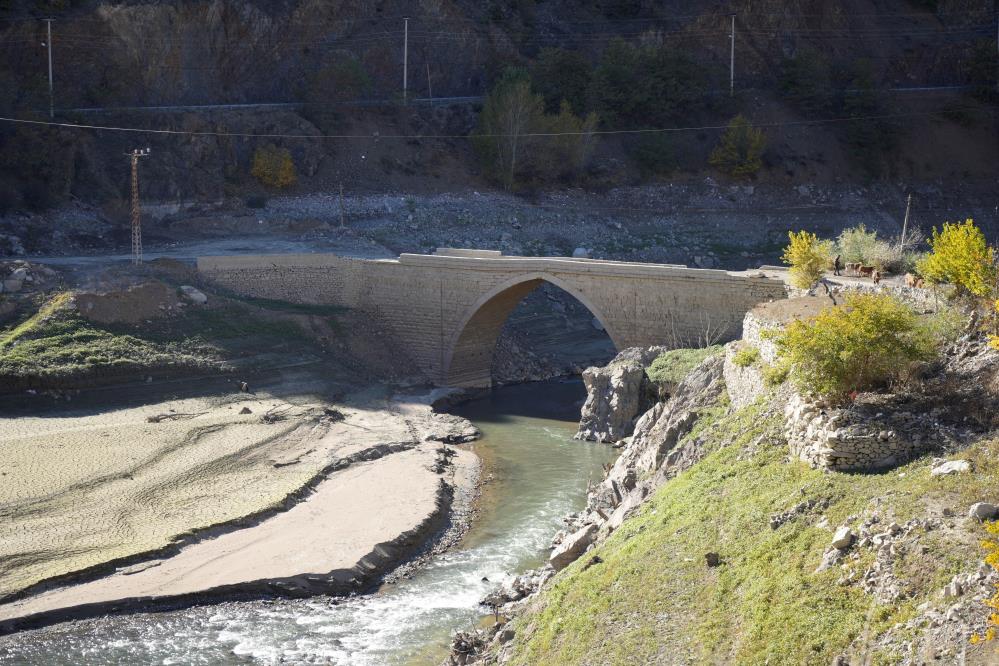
(533,474)
(205,497)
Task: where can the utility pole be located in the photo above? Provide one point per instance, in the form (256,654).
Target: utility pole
(905,222)
(136,220)
(430,88)
(342,222)
(48,43)
(405,59)
(731,64)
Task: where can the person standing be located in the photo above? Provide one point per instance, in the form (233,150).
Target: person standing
(836,265)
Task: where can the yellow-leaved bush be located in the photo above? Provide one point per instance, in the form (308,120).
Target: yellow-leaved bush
(273,166)
(991,546)
(860,345)
(808,258)
(961,257)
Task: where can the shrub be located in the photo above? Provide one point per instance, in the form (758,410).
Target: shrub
(775,375)
(856,244)
(273,166)
(960,256)
(808,257)
(991,546)
(565,154)
(740,149)
(746,356)
(868,341)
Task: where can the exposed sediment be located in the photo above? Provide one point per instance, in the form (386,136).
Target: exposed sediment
(376,487)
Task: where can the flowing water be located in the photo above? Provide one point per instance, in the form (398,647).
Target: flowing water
(538,474)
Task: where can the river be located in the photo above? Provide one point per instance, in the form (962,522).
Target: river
(536,473)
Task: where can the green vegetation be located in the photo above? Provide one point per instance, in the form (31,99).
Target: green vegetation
(58,347)
(651,597)
(517,142)
(991,546)
(858,245)
(961,256)
(671,366)
(746,356)
(860,345)
(740,150)
(648,85)
(808,258)
(274,167)
(561,75)
(57,344)
(806,80)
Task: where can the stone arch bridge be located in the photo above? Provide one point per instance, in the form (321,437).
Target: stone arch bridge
(446,310)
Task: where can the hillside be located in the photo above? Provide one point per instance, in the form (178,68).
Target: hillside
(338,67)
(650,598)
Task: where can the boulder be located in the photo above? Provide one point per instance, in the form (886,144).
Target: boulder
(572,547)
(194,295)
(951,467)
(614,396)
(983,511)
(580,253)
(843,538)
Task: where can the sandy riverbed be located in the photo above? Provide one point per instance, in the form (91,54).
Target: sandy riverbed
(86,493)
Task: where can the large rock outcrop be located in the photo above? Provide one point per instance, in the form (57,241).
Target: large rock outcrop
(655,452)
(616,394)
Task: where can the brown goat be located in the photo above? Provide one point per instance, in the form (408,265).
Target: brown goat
(866,271)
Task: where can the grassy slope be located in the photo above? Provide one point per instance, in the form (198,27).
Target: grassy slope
(57,344)
(670,367)
(653,600)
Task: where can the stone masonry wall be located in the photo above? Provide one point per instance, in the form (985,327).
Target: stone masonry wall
(847,439)
(443,309)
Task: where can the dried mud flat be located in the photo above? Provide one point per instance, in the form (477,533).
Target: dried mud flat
(202,496)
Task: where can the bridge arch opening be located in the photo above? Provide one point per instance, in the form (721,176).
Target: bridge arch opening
(469,357)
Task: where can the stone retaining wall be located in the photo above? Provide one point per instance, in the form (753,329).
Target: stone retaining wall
(849,439)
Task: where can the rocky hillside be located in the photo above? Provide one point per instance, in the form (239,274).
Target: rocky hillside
(715,539)
(338,65)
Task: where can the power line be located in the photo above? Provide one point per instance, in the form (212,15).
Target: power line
(314,137)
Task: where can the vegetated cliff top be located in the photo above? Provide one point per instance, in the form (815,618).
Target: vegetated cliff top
(792,65)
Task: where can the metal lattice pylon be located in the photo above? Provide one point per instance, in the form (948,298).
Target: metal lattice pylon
(136,213)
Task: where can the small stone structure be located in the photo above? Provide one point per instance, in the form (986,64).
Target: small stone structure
(859,437)
(445,311)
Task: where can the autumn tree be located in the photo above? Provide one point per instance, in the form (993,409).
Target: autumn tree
(740,150)
(273,166)
(808,257)
(962,257)
(510,112)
